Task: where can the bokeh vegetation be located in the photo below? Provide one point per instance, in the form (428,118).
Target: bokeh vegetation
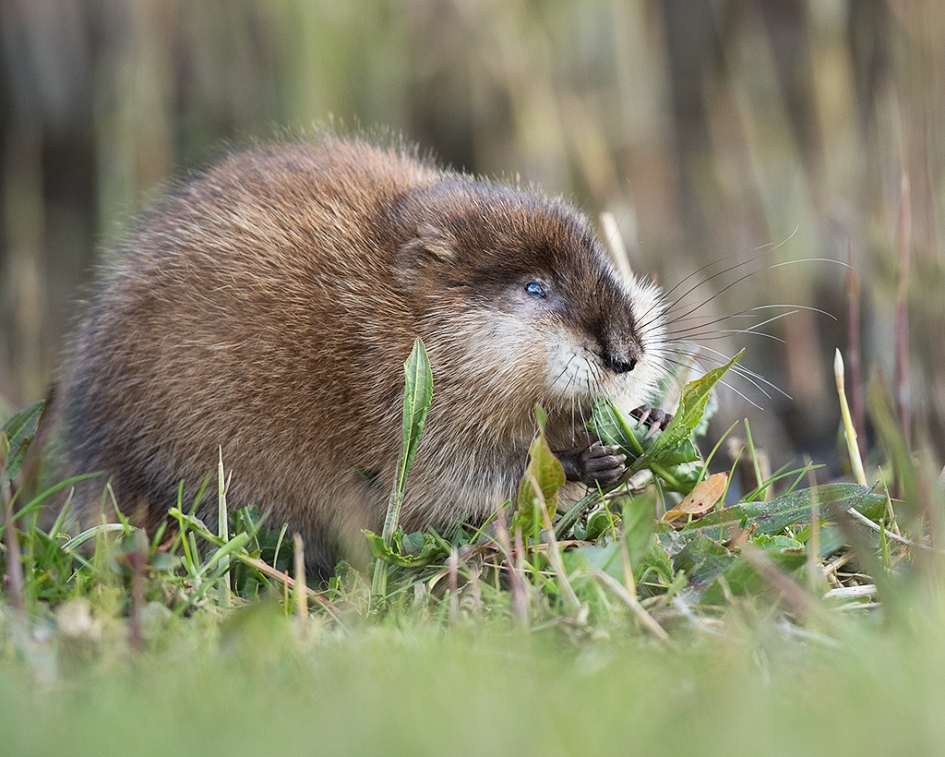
(708,129)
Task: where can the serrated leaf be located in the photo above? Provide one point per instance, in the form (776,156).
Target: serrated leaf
(692,404)
(711,408)
(670,454)
(20,430)
(679,466)
(789,509)
(413,542)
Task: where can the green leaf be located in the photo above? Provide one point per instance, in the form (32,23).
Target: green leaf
(703,559)
(692,404)
(681,478)
(685,453)
(670,454)
(742,579)
(711,408)
(418,393)
(790,509)
(597,524)
(164,561)
(593,558)
(543,479)
(777,542)
(233,545)
(541,417)
(616,429)
(657,560)
(393,554)
(638,515)
(832,538)
(20,430)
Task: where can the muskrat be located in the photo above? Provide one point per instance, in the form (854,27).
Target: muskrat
(266,307)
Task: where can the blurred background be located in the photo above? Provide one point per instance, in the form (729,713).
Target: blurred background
(711,130)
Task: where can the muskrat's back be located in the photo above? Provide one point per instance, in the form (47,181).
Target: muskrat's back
(266,308)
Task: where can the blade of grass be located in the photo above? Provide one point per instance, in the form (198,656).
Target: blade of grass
(298,591)
(554,557)
(13,564)
(223,528)
(849,430)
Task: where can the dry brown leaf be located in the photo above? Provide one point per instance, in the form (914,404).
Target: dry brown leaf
(702,497)
(740,538)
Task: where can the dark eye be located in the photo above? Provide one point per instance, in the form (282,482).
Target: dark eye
(535,290)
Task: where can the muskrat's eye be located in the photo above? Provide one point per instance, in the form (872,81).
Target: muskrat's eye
(535,290)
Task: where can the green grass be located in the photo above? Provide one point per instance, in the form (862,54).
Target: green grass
(256,685)
(710,636)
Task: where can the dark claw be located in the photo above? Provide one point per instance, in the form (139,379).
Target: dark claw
(600,459)
(656,419)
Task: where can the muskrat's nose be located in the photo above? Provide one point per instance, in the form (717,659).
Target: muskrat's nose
(619,365)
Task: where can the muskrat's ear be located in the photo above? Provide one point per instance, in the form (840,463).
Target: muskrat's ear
(432,248)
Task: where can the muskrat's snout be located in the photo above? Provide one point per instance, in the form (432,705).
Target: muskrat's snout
(619,364)
(620,347)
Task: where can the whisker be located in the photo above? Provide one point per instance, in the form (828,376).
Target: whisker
(720,273)
(718,261)
(718,358)
(811,260)
(716,334)
(749,401)
(811,308)
(564,370)
(699,306)
(746,313)
(752,330)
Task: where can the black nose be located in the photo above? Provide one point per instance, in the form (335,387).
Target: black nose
(619,365)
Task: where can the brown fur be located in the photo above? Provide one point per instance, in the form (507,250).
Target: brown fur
(267,306)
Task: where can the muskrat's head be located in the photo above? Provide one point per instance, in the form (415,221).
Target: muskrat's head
(514,293)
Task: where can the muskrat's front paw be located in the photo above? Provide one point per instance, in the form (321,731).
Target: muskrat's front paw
(652,417)
(601,464)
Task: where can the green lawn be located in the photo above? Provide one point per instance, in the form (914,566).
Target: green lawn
(261,688)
